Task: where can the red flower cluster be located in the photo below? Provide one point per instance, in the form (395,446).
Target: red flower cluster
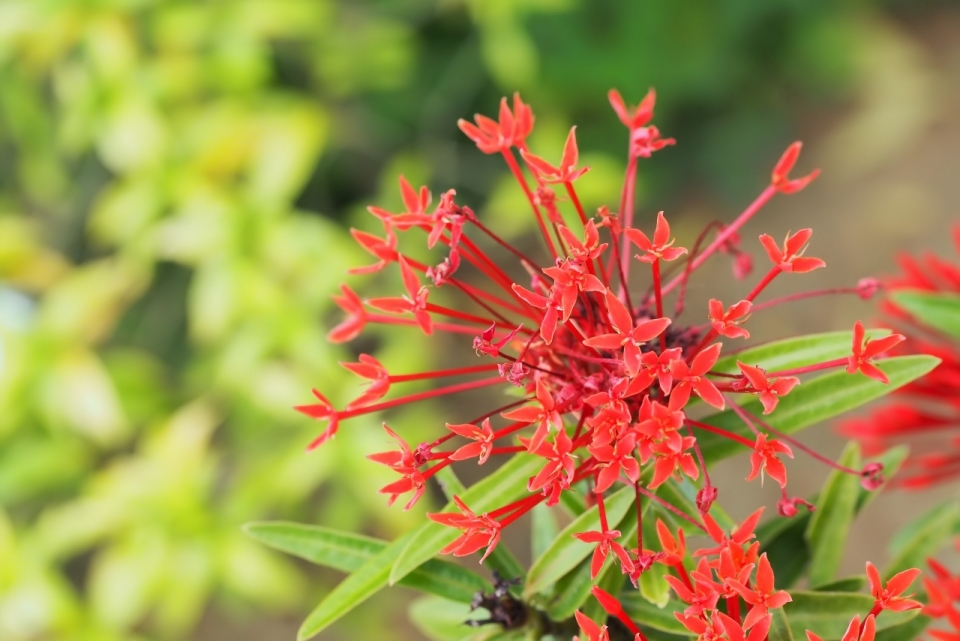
(943,599)
(733,571)
(607,374)
(924,414)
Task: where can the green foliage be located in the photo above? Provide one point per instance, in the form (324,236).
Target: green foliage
(830,523)
(940,311)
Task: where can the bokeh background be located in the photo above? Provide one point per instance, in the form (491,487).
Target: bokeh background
(176,183)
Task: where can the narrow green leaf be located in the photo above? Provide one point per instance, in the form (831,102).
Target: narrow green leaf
(923,538)
(846,584)
(573,502)
(347,552)
(780,626)
(815,401)
(830,523)
(829,613)
(651,616)
(440,619)
(798,351)
(786,548)
(507,484)
(565,552)
(938,310)
(906,631)
(544,530)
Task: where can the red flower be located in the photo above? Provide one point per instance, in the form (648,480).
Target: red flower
(577,339)
(866,350)
(511,131)
(478,531)
(606,542)
(405,462)
(765,459)
(791,258)
(546,416)
(768,390)
(924,414)
(675,548)
(415,302)
(854,632)
(370,368)
(661,247)
(728,323)
(356,319)
(780,180)
(671,460)
(888,596)
(692,378)
(566,172)
(626,334)
(591,629)
(482,438)
(762,596)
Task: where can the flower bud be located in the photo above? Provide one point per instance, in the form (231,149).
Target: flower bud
(872,476)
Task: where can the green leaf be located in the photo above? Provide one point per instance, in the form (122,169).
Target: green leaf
(347,552)
(791,353)
(829,613)
(573,502)
(780,627)
(437,577)
(566,552)
(652,616)
(543,530)
(444,620)
(905,631)
(846,584)
(507,484)
(814,401)
(940,311)
(786,548)
(923,538)
(830,523)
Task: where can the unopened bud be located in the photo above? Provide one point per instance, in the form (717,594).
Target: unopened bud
(868,287)
(871,477)
(788,507)
(742,265)
(705,498)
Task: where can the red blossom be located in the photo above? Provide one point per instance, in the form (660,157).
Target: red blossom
(415,302)
(627,334)
(727,323)
(615,460)
(768,390)
(780,179)
(765,458)
(545,416)
(888,596)
(854,633)
(791,258)
(322,410)
(356,319)
(606,542)
(482,438)
(478,531)
(660,422)
(670,461)
(403,461)
(590,248)
(591,629)
(864,351)
(692,378)
(762,596)
(739,535)
(567,171)
(383,249)
(512,129)
(560,462)
(370,368)
(483,344)
(662,245)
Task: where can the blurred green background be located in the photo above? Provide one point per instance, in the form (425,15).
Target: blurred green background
(176,184)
